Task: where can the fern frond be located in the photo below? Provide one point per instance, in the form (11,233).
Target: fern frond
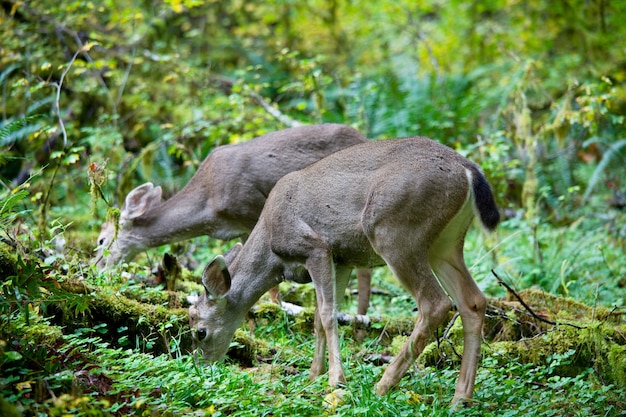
(23,126)
(608,156)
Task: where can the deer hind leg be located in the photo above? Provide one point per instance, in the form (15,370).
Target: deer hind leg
(330,285)
(433,305)
(471,304)
(318,366)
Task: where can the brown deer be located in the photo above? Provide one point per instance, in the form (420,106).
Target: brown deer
(406,203)
(225,196)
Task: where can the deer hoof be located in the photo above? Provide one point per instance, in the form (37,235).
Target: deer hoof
(382,388)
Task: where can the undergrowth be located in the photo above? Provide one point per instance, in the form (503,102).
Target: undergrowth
(98,370)
(90,377)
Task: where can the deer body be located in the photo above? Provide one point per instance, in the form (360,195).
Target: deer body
(406,203)
(225,196)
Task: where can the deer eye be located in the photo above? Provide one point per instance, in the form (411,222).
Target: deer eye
(101,242)
(201,334)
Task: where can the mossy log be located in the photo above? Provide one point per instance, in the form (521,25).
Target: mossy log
(542,327)
(153,327)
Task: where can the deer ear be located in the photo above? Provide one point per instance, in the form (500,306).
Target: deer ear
(140,199)
(216,278)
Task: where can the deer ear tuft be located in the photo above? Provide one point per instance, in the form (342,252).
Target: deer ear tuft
(216,278)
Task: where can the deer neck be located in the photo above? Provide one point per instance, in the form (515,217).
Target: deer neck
(179,218)
(254,272)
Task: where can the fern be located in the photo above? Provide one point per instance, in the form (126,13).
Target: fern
(609,155)
(7,203)
(19,128)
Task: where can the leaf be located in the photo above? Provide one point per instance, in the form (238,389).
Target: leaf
(13,356)
(71,159)
(6,205)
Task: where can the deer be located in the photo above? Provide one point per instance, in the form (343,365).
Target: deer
(406,203)
(224,198)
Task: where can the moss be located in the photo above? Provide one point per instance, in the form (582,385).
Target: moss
(305,320)
(156,325)
(43,334)
(557,308)
(269,311)
(389,327)
(440,353)
(397,343)
(146,296)
(617,364)
(243,348)
(189,283)
(594,347)
(299,294)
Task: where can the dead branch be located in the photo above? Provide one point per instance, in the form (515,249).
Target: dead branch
(530,310)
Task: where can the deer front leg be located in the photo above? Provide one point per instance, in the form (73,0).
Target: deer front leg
(327,287)
(364,279)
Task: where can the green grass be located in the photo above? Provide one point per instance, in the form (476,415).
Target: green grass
(116,381)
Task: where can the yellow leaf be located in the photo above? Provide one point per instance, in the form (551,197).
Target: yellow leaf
(335,399)
(87,47)
(24,385)
(413,398)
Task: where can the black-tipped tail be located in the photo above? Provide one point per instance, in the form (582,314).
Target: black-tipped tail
(484,200)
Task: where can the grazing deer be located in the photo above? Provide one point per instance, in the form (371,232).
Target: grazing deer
(225,196)
(406,203)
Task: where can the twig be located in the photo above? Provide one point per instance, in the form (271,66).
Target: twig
(532,313)
(447,339)
(58,86)
(57,109)
(614,311)
(449,326)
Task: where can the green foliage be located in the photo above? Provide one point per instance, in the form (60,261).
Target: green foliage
(98,97)
(570,261)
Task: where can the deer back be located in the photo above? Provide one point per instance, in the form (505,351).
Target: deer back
(225,196)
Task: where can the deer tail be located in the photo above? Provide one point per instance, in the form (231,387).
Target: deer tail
(484,200)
